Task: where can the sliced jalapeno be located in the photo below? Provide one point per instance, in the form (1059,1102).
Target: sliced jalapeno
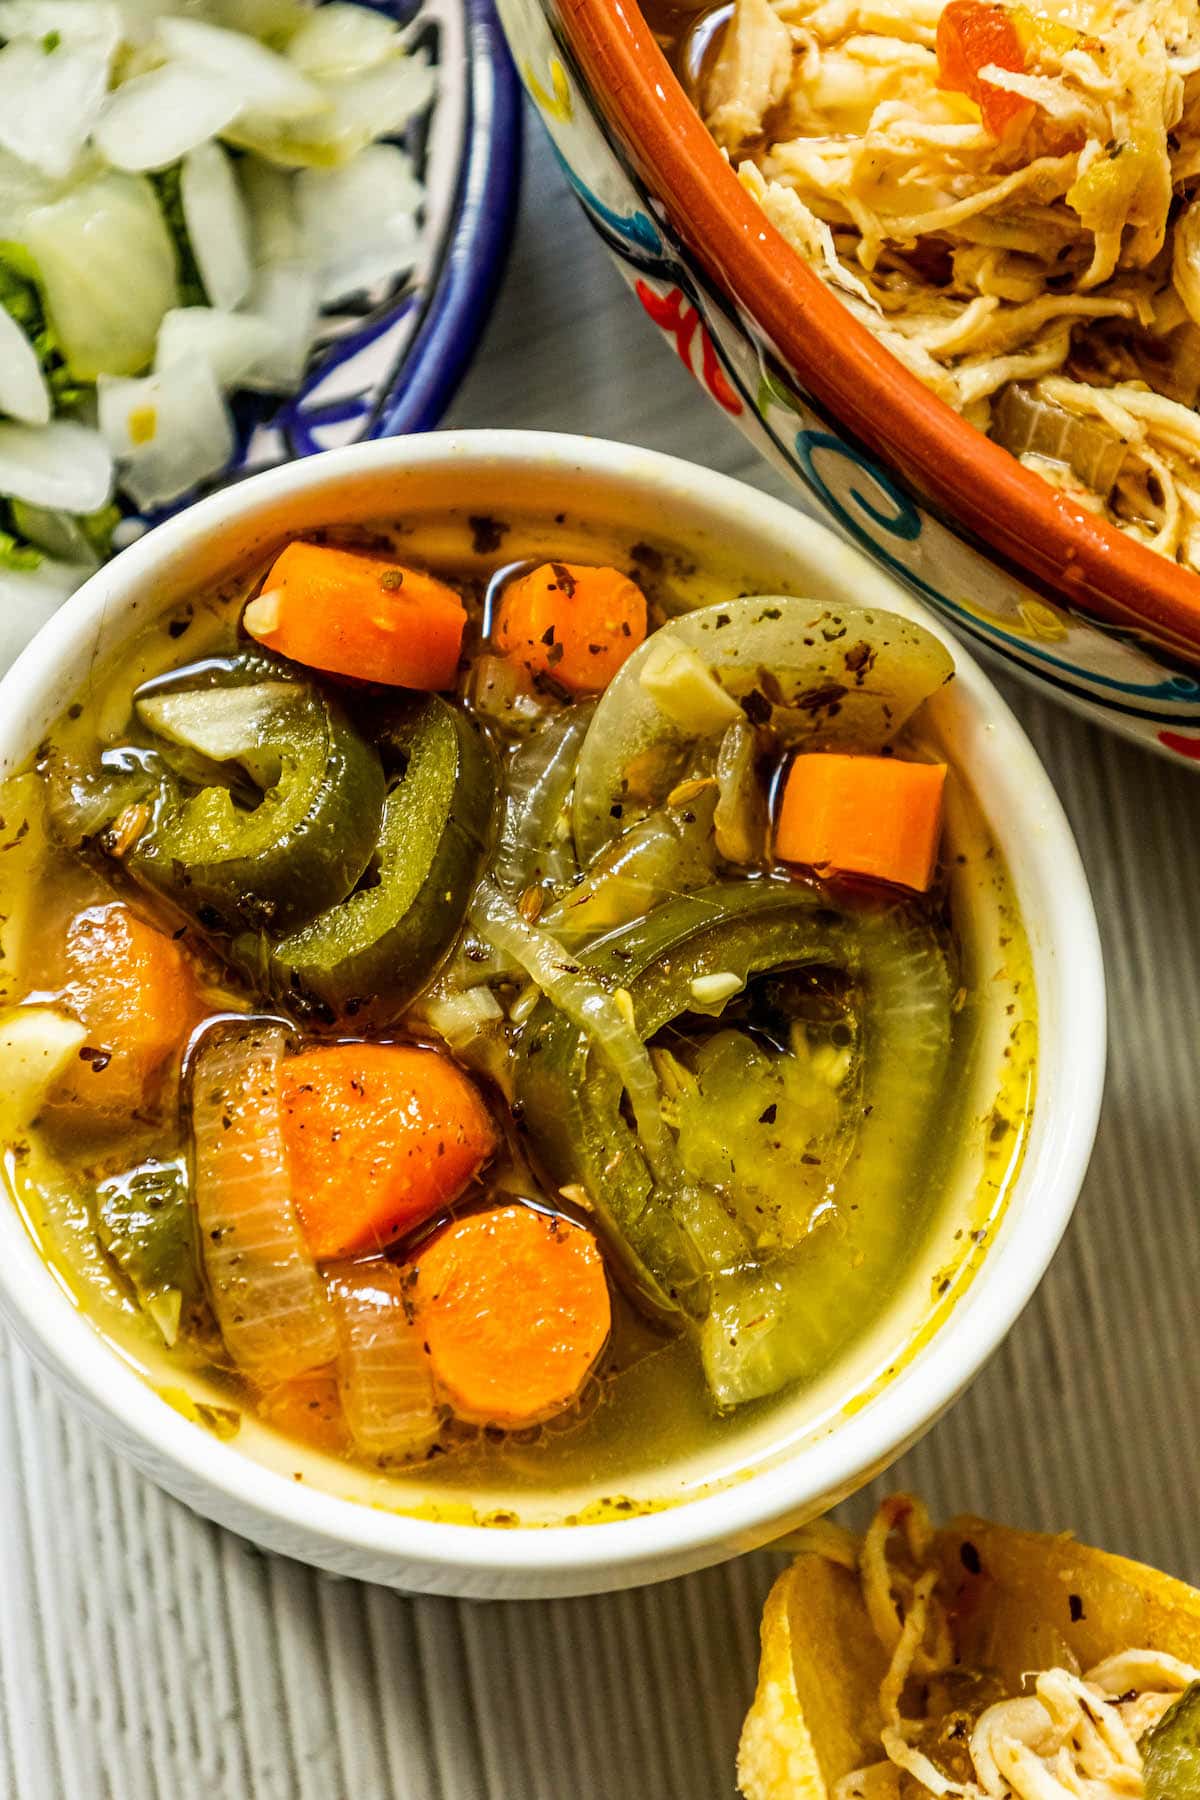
(368,955)
(271,804)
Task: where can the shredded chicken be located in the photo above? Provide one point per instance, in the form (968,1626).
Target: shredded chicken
(1071,1735)
(1060,250)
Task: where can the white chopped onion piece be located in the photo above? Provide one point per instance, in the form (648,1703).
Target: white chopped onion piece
(270,196)
(218,225)
(384,1377)
(22,187)
(154,119)
(337,40)
(285,296)
(269,1299)
(28,597)
(61,465)
(374,104)
(71,19)
(23,391)
(268,83)
(52,99)
(360,222)
(233,344)
(168,431)
(106,266)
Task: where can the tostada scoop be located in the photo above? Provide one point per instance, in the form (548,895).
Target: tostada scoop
(976,1662)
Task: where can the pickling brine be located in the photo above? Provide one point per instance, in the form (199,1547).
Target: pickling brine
(509,1036)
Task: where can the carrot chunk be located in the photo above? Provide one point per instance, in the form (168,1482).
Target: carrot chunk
(573,622)
(357,615)
(973,36)
(515,1309)
(863,815)
(131,987)
(379,1136)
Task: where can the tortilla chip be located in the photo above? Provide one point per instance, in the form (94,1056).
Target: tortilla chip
(815,1714)
(1019,1601)
(1036,1601)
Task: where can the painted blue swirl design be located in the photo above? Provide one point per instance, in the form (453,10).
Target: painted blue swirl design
(903,523)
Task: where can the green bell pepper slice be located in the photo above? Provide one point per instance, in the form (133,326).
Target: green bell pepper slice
(367,956)
(270,805)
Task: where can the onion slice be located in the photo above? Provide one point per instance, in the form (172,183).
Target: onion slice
(384,1377)
(154,119)
(269,1300)
(52,99)
(218,225)
(360,222)
(23,391)
(268,84)
(169,431)
(63,465)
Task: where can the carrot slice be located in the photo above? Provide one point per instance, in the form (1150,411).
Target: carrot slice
(863,815)
(379,1136)
(131,987)
(573,622)
(357,615)
(515,1309)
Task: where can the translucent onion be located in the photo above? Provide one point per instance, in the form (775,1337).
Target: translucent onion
(23,391)
(153,119)
(337,40)
(671,851)
(535,840)
(170,430)
(237,346)
(52,99)
(106,267)
(62,465)
(268,1297)
(360,221)
(818,677)
(591,1008)
(218,225)
(384,1377)
(740,818)
(266,82)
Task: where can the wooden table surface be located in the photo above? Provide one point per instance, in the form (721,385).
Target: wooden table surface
(146,1653)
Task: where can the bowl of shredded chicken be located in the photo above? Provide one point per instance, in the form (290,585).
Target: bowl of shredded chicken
(940,258)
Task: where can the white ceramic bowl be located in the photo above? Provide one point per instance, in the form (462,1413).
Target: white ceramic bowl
(631,493)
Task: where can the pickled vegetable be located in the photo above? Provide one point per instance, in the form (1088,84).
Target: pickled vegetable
(146,1222)
(368,955)
(1171,1751)
(320,794)
(813,678)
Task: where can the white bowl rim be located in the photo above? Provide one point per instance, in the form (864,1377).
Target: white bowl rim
(745,1514)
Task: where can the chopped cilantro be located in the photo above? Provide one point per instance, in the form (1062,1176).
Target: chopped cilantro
(51,41)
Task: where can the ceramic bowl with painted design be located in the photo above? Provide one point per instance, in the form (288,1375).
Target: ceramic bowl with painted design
(1099,621)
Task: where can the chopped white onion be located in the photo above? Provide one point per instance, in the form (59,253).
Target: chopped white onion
(360,222)
(270,197)
(268,84)
(377,102)
(285,295)
(28,597)
(218,226)
(233,344)
(61,465)
(52,99)
(154,119)
(338,40)
(106,266)
(23,391)
(71,19)
(169,431)
(36,1044)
